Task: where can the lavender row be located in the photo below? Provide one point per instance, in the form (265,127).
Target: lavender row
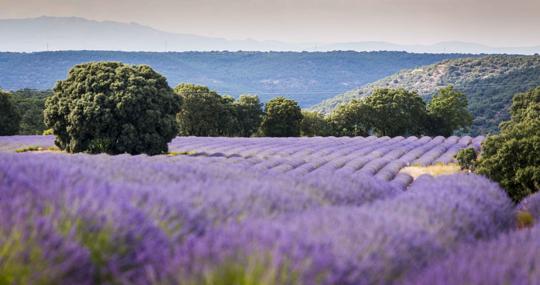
(512,258)
(373,244)
(103,219)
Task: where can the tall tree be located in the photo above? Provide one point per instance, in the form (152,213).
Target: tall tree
(9,118)
(249,114)
(397,112)
(448,112)
(282,118)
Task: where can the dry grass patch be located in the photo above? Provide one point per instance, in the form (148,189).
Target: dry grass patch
(433,170)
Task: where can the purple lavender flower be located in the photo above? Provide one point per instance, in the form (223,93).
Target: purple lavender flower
(512,258)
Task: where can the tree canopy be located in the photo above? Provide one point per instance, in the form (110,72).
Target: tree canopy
(511,157)
(206,113)
(315,124)
(203,112)
(249,114)
(282,118)
(448,112)
(9,118)
(396,112)
(113,108)
(352,119)
(30,105)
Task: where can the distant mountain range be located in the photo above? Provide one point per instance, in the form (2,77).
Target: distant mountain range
(306,77)
(71,33)
(489,83)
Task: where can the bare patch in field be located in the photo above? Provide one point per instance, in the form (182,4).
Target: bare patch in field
(433,170)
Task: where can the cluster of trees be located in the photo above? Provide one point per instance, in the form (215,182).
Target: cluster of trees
(398,112)
(115,108)
(511,157)
(206,113)
(387,112)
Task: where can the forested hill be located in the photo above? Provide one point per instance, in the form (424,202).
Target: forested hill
(489,83)
(306,77)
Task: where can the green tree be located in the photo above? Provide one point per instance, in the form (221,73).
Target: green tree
(249,114)
(352,119)
(113,108)
(9,118)
(511,157)
(229,124)
(282,118)
(448,112)
(30,105)
(397,112)
(314,124)
(204,112)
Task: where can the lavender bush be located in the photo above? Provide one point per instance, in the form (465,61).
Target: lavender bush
(372,244)
(512,258)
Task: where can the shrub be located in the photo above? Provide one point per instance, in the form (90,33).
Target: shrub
(467,158)
(9,119)
(113,108)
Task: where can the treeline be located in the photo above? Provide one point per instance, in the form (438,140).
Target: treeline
(203,112)
(388,112)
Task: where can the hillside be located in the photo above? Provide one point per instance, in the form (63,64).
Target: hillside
(489,83)
(306,77)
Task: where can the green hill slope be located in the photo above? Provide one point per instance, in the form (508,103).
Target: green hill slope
(307,77)
(489,83)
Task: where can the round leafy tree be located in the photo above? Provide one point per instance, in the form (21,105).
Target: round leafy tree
(315,124)
(113,108)
(397,112)
(282,118)
(204,113)
(352,119)
(511,157)
(9,118)
(448,112)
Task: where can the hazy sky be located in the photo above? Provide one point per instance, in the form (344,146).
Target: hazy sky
(492,22)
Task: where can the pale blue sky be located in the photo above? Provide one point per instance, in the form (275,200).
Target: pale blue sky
(491,22)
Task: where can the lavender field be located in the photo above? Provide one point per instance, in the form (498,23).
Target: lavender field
(260,211)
